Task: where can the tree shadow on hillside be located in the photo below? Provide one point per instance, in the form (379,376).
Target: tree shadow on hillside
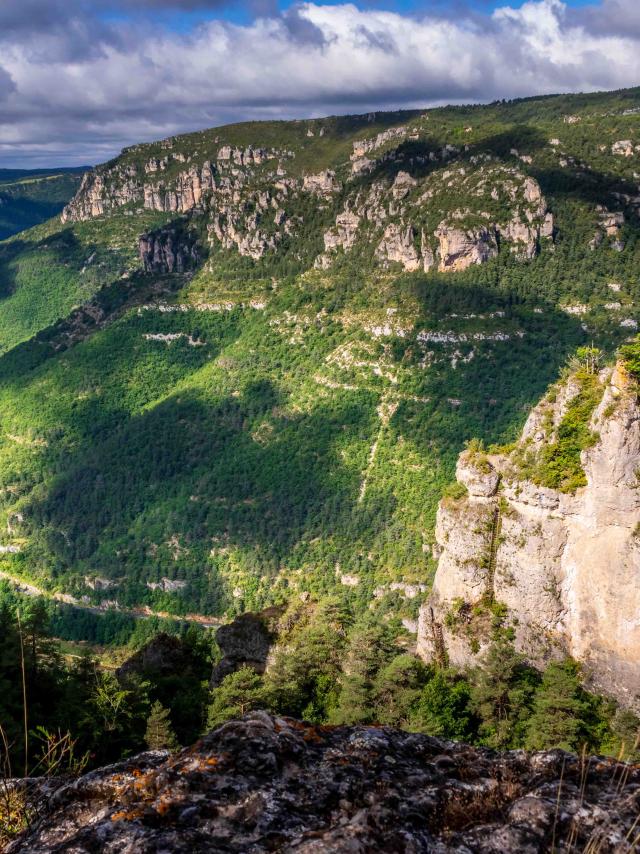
(199,469)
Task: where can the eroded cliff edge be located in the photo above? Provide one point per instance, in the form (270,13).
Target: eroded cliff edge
(561,562)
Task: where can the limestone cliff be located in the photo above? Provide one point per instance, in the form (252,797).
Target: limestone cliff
(167,251)
(389,201)
(566,564)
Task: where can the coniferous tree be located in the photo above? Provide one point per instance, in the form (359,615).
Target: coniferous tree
(237,694)
(371,646)
(303,681)
(444,707)
(624,737)
(558,709)
(397,688)
(159,735)
(501,695)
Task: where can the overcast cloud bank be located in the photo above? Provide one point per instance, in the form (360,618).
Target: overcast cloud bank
(75,87)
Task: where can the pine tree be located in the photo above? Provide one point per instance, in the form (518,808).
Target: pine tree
(237,694)
(443,707)
(159,734)
(304,678)
(624,737)
(397,688)
(371,647)
(502,694)
(558,709)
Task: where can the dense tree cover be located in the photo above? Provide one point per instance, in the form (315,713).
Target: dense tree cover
(331,667)
(334,667)
(107,715)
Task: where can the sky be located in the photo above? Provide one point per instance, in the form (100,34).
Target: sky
(80,79)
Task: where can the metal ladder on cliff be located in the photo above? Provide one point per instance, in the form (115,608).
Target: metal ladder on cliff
(496,525)
(437,637)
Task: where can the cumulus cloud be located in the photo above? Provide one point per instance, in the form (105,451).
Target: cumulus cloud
(83,90)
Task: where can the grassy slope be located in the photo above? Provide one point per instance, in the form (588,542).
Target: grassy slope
(239,463)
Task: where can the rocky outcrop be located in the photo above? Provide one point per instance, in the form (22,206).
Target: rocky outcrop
(609,225)
(247,202)
(344,234)
(398,245)
(624,148)
(266,784)
(565,564)
(245,642)
(108,188)
(322,184)
(169,250)
(364,146)
(243,156)
(461,248)
(163,655)
(402,185)
(525,236)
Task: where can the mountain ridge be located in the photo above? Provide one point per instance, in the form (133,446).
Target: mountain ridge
(335,325)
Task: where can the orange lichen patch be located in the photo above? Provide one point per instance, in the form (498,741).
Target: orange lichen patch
(137,772)
(309,733)
(211,760)
(163,805)
(127,814)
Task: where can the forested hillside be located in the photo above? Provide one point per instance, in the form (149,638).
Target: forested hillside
(29,197)
(242,365)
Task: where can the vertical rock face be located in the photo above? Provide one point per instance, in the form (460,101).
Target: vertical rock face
(167,251)
(398,245)
(344,234)
(565,565)
(461,248)
(108,188)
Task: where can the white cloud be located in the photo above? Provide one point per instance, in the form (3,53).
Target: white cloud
(84,92)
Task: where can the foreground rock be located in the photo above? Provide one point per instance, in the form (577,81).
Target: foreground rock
(270,784)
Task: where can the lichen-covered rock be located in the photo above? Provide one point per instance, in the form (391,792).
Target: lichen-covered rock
(265,784)
(566,565)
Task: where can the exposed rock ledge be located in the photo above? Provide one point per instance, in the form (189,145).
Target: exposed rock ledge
(271,784)
(566,565)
